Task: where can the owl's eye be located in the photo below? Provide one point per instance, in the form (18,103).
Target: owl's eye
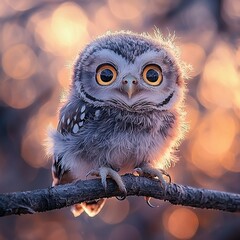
(152,75)
(106,74)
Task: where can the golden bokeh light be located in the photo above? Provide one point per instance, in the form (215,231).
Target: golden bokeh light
(64,77)
(12,34)
(63,33)
(213,141)
(204,161)
(19,61)
(219,76)
(30,145)
(69,24)
(35,138)
(193,115)
(217,132)
(182,223)
(238,54)
(103,21)
(230,161)
(18,94)
(195,59)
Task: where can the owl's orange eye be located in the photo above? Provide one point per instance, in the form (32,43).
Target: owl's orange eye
(152,75)
(106,74)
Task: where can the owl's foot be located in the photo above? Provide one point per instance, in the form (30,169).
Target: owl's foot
(104,172)
(147,171)
(150,172)
(92,208)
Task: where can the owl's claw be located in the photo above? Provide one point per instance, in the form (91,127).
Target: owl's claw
(104,172)
(121,198)
(139,171)
(147,171)
(148,202)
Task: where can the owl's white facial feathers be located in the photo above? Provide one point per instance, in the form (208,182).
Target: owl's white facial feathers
(154,95)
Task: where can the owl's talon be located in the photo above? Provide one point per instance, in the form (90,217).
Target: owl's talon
(103,173)
(148,202)
(93,173)
(139,171)
(121,198)
(166,174)
(150,172)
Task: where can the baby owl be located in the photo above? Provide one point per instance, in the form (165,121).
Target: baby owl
(124,112)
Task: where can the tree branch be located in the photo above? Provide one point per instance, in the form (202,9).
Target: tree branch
(65,195)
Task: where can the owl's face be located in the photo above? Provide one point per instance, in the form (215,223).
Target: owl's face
(128,71)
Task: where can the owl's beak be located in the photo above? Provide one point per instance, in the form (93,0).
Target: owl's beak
(129,85)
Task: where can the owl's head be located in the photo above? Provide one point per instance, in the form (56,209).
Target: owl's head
(130,71)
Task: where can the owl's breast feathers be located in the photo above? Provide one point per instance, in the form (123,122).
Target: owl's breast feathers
(78,116)
(111,136)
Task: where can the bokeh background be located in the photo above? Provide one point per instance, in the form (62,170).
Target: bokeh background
(39,41)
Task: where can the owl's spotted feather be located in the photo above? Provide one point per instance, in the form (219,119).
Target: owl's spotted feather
(124,112)
(72,120)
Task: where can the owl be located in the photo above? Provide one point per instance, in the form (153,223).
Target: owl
(124,112)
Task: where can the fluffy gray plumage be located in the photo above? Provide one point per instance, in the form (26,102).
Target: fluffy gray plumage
(105,126)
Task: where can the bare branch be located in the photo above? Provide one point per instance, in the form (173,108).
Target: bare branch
(65,195)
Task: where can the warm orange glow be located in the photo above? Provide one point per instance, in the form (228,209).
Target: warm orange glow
(192,115)
(204,161)
(35,138)
(19,61)
(105,21)
(32,143)
(238,55)
(182,223)
(230,162)
(195,55)
(213,140)
(18,94)
(65,32)
(12,34)
(219,76)
(64,77)
(69,26)
(216,133)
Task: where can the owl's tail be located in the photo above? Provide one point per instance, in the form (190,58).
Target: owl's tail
(92,208)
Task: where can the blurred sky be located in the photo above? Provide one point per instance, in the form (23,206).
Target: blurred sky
(39,41)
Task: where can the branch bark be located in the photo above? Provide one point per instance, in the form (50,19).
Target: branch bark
(66,195)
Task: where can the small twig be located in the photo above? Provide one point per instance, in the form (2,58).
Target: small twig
(65,195)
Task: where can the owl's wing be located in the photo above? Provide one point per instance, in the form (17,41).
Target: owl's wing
(72,119)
